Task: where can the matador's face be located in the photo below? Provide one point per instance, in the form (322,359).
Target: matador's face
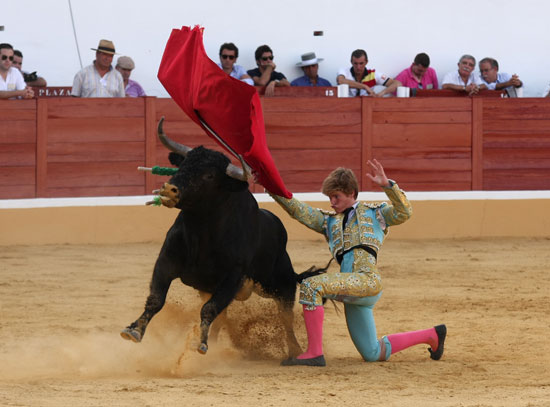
(339,201)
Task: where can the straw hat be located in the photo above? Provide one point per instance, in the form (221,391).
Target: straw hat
(105,46)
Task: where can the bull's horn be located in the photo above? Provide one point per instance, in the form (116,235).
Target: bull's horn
(235,172)
(170,144)
(231,170)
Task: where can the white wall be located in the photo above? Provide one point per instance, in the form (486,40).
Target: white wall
(392,32)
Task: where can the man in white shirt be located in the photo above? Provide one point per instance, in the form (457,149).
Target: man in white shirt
(12,84)
(100,80)
(361,80)
(464,80)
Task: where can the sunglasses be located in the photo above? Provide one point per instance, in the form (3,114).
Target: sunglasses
(4,57)
(231,57)
(267,58)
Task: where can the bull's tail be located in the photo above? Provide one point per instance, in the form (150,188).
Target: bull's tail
(312,271)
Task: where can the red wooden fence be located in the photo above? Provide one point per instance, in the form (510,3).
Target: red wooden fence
(69,147)
(18,148)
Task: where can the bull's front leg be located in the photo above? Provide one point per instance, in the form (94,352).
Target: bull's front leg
(221,298)
(160,283)
(219,322)
(286,313)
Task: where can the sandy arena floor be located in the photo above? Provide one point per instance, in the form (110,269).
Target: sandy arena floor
(62,308)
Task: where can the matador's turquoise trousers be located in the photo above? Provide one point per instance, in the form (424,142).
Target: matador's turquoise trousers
(359,291)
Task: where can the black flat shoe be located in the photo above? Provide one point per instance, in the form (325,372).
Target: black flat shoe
(441,331)
(317,361)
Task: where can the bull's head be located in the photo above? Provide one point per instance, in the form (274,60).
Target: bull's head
(201,177)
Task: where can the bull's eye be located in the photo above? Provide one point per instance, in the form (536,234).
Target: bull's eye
(175,190)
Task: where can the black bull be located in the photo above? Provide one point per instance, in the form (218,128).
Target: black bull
(220,243)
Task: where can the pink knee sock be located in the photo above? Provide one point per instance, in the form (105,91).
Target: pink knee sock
(314,329)
(405,340)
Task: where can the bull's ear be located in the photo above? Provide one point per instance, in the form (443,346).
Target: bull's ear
(176,159)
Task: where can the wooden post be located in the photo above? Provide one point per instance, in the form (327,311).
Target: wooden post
(477,143)
(366,142)
(150,141)
(41,189)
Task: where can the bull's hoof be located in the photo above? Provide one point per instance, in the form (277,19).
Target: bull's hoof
(131,335)
(203,348)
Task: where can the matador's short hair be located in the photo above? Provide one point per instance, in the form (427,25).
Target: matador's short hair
(341,179)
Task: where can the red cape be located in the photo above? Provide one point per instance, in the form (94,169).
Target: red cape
(231,108)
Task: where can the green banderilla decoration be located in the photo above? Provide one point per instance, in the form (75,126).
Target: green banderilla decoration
(157,170)
(155,202)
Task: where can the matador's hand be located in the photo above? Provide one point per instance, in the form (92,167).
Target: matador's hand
(379,176)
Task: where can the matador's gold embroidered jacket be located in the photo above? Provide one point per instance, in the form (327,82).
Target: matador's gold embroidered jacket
(368,226)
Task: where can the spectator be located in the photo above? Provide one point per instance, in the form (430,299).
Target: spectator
(265,74)
(228,63)
(419,75)
(310,66)
(361,80)
(495,80)
(99,79)
(464,80)
(31,79)
(12,84)
(125,65)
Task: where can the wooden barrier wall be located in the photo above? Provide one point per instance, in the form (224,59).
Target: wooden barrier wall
(424,143)
(18,148)
(90,150)
(516,144)
(72,147)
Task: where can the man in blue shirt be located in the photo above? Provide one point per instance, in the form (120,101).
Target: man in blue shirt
(228,62)
(495,80)
(310,66)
